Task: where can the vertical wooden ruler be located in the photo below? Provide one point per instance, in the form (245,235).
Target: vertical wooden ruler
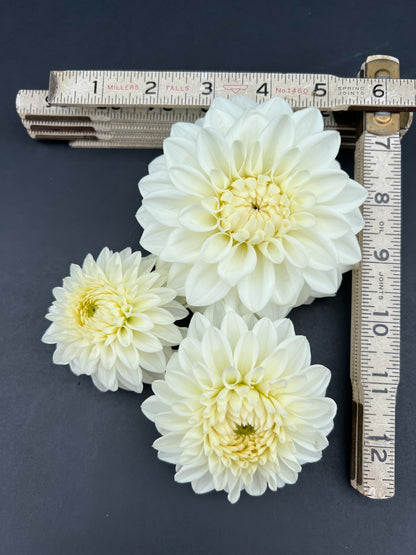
(375,326)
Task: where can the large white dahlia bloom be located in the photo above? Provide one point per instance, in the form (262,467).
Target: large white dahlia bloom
(113,319)
(241,407)
(250,203)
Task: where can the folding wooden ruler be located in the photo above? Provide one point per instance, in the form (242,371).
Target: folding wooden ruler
(135,109)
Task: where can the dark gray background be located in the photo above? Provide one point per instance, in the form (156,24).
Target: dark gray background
(79,475)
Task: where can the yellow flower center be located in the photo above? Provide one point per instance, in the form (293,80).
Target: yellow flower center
(243,427)
(102,309)
(254,209)
(87,308)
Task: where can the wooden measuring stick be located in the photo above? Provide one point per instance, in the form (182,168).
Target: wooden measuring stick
(187,88)
(375,321)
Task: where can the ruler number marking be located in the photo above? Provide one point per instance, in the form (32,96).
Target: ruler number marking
(382,198)
(208,88)
(380,438)
(376,455)
(386,145)
(380,329)
(151,86)
(263,90)
(382,256)
(320,89)
(378,91)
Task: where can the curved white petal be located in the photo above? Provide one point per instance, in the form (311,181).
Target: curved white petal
(180,152)
(275,139)
(157,164)
(241,261)
(182,246)
(165,206)
(247,129)
(213,151)
(256,289)
(154,237)
(216,247)
(274,108)
(191,181)
(307,122)
(203,286)
(233,327)
(318,150)
(197,218)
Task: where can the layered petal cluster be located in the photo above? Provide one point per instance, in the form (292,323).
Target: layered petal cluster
(113,319)
(241,407)
(250,202)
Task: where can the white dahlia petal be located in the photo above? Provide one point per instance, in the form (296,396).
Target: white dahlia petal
(184,129)
(164,206)
(180,151)
(113,319)
(213,151)
(240,262)
(222,115)
(191,181)
(241,408)
(274,108)
(348,249)
(233,327)
(288,280)
(198,326)
(307,122)
(158,164)
(156,181)
(244,102)
(247,128)
(318,150)
(276,137)
(324,283)
(216,247)
(204,285)
(187,245)
(256,289)
(154,237)
(198,218)
(252,208)
(286,163)
(353,195)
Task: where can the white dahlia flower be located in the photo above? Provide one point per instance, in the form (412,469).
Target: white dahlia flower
(250,201)
(113,319)
(241,407)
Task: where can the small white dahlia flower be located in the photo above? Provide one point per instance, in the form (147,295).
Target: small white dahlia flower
(241,407)
(250,201)
(113,319)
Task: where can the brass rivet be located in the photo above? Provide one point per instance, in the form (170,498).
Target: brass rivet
(382,118)
(382,73)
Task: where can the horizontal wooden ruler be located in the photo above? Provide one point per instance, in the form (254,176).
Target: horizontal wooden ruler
(34,104)
(120,126)
(191,88)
